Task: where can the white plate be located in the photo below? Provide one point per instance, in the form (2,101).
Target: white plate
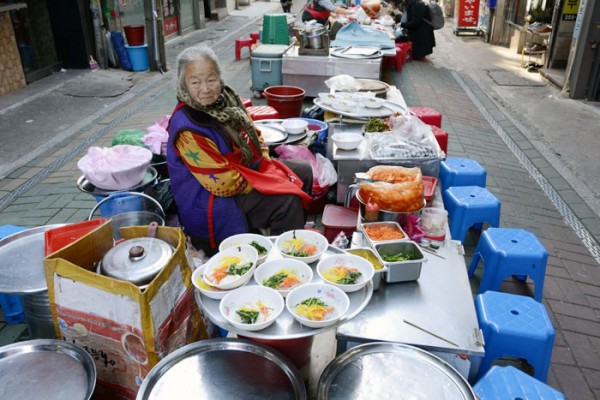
(388,108)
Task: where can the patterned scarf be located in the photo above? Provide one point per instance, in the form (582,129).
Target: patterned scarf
(229,111)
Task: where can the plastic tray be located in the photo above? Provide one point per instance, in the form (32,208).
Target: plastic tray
(57,238)
(429,184)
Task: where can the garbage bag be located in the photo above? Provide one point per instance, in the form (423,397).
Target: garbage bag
(119,43)
(161,192)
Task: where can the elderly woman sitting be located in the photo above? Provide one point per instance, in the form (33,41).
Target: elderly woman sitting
(222,177)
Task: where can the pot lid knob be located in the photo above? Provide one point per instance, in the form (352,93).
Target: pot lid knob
(136,253)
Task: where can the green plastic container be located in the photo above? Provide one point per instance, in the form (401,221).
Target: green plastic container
(275,29)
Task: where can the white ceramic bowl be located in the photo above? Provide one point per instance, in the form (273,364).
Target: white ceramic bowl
(301,270)
(347,140)
(343,105)
(326,98)
(372,102)
(363,95)
(248,238)
(299,240)
(254,298)
(204,288)
(344,96)
(330,295)
(241,254)
(294,126)
(326,269)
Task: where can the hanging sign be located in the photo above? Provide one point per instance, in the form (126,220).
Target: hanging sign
(468,13)
(570,10)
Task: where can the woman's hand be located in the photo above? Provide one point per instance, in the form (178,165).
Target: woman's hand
(340,10)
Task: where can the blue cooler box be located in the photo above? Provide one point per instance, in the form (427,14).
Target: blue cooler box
(266,61)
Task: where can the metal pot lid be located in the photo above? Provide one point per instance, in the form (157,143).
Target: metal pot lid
(22,261)
(223,369)
(389,371)
(136,260)
(46,369)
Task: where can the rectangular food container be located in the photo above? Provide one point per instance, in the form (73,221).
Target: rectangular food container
(369,255)
(401,271)
(390,224)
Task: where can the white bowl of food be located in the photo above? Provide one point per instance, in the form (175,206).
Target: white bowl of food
(302,245)
(251,308)
(317,305)
(343,105)
(294,126)
(363,95)
(262,244)
(204,288)
(283,275)
(344,96)
(347,140)
(372,102)
(231,268)
(326,98)
(346,271)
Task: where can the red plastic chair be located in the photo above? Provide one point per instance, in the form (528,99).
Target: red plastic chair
(257,113)
(407,49)
(246,102)
(255,36)
(427,115)
(240,43)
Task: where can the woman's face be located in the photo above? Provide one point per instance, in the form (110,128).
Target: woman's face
(203,82)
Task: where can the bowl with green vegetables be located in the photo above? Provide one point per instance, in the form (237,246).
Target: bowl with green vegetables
(251,308)
(346,271)
(283,274)
(262,244)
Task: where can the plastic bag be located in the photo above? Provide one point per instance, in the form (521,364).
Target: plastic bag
(327,175)
(343,83)
(157,136)
(115,168)
(409,137)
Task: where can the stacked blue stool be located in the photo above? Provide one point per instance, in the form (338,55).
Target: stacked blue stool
(11,303)
(516,326)
(511,383)
(461,172)
(506,252)
(470,205)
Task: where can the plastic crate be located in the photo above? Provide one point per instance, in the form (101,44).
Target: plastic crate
(336,219)
(12,308)
(275,29)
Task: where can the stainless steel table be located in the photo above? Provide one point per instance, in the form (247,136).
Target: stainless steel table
(311,72)
(440,302)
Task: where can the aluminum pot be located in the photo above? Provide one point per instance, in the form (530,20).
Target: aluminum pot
(136,260)
(315,37)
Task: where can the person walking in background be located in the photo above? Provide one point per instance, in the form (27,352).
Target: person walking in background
(286,5)
(320,10)
(416,23)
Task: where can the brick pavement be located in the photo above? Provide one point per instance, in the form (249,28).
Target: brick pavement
(534,195)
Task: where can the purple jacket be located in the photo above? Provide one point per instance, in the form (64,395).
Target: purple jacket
(191,197)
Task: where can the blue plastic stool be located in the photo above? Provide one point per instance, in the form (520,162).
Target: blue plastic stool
(516,326)
(11,303)
(511,383)
(508,252)
(461,172)
(470,205)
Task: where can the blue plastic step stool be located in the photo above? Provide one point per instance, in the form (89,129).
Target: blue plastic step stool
(461,172)
(470,205)
(516,326)
(511,383)
(506,252)
(10,303)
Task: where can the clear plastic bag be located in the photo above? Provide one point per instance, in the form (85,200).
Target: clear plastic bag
(343,83)
(323,170)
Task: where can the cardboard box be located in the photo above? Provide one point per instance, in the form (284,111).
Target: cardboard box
(125,329)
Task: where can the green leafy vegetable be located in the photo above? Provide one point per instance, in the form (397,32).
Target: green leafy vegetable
(261,250)
(235,269)
(350,279)
(275,280)
(313,301)
(375,125)
(247,316)
(399,257)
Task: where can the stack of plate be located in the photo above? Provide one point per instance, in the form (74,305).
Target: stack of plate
(274,134)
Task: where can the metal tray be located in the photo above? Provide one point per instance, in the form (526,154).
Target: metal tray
(389,108)
(46,369)
(398,370)
(274,134)
(223,369)
(357,52)
(87,187)
(286,327)
(22,261)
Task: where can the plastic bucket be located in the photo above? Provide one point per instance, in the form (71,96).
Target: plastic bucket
(36,307)
(287,100)
(138,55)
(135,34)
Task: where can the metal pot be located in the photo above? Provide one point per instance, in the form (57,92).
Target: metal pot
(136,260)
(315,37)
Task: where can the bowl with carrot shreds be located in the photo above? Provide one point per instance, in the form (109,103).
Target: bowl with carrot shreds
(317,305)
(346,271)
(283,274)
(231,268)
(262,244)
(251,308)
(302,245)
